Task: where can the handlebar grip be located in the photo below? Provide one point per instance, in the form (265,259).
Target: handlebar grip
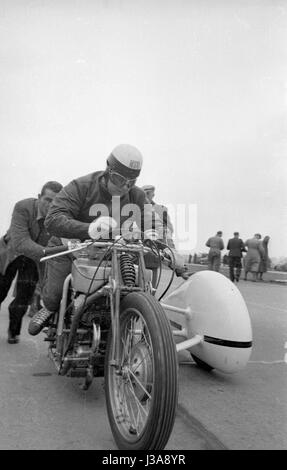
(51,250)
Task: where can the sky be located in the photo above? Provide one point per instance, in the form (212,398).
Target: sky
(200,87)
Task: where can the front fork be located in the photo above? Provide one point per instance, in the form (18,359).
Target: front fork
(115,310)
(115,297)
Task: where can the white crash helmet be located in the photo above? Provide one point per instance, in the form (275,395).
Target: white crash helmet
(126,160)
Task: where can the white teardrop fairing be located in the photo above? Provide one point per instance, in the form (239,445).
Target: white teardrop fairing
(217,312)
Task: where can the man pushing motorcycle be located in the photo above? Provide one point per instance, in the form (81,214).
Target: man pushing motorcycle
(87,207)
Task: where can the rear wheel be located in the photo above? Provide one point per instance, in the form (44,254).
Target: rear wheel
(141,393)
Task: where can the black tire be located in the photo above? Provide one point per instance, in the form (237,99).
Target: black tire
(146,386)
(203,365)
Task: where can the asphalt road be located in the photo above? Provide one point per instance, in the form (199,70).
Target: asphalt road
(245,410)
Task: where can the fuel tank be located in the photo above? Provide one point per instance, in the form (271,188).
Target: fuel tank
(218,312)
(87,277)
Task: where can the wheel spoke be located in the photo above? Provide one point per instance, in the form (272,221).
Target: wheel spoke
(135,401)
(127,397)
(125,404)
(139,383)
(141,409)
(142,360)
(126,346)
(127,341)
(132,411)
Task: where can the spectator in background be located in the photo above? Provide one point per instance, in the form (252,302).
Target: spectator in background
(215,245)
(236,247)
(263,265)
(225,260)
(162,212)
(20,252)
(253,257)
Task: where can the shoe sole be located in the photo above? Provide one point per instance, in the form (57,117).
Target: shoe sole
(34,329)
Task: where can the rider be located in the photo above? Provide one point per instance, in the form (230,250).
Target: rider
(77,213)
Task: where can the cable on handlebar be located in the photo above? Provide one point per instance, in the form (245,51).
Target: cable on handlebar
(153,244)
(173,271)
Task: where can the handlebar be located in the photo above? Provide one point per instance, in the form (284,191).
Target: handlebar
(131,246)
(51,250)
(63,251)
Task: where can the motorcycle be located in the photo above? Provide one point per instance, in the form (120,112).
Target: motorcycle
(111,324)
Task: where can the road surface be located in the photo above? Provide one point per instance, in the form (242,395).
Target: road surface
(246,410)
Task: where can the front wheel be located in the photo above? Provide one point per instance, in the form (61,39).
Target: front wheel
(141,393)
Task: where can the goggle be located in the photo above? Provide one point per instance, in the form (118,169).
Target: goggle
(119,180)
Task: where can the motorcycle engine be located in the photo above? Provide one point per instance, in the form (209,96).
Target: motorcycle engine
(98,314)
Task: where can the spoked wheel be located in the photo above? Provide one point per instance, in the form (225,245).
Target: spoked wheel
(141,393)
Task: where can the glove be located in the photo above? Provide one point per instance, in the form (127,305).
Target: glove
(130,231)
(151,234)
(179,265)
(167,254)
(71,243)
(101,226)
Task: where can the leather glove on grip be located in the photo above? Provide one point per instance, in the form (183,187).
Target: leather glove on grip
(151,234)
(101,226)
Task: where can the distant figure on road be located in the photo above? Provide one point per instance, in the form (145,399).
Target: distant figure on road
(236,247)
(225,260)
(253,257)
(263,265)
(215,245)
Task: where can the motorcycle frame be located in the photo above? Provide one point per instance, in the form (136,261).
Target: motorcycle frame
(112,289)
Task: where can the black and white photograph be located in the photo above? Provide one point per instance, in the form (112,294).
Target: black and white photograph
(143,228)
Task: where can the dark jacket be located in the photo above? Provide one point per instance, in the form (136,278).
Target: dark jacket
(21,237)
(215,244)
(162,212)
(86,198)
(236,247)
